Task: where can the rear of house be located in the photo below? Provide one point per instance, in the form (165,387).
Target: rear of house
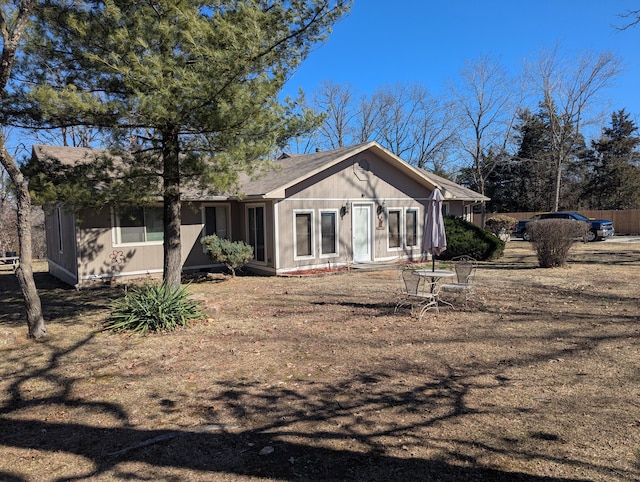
(359,204)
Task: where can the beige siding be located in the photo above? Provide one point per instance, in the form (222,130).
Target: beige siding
(193,255)
(61,248)
(381,185)
(99,258)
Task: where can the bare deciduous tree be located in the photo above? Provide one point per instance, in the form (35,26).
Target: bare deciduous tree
(396,111)
(487,103)
(335,103)
(568,89)
(631,19)
(435,132)
(13,23)
(74,136)
(365,122)
(413,124)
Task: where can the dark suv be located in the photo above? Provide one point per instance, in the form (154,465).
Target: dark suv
(600,228)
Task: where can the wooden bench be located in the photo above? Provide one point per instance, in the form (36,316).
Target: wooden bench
(10,262)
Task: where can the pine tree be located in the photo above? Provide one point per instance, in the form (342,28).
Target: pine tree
(190,89)
(614,180)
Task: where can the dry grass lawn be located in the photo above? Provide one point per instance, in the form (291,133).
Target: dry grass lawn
(316,378)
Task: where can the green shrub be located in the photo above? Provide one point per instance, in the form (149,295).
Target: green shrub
(153,307)
(499,222)
(465,238)
(233,255)
(552,239)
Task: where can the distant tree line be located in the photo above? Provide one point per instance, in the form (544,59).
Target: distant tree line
(522,141)
(604,174)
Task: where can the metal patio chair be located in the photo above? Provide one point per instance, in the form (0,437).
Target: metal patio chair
(418,292)
(465,268)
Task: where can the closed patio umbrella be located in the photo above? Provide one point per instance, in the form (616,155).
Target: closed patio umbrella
(434,239)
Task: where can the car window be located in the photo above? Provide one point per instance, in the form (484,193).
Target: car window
(580,217)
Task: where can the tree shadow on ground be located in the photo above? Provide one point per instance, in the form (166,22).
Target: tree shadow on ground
(60,301)
(234,453)
(309,431)
(330,430)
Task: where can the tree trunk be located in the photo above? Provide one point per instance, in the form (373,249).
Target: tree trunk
(558,182)
(35,320)
(172,209)
(11,41)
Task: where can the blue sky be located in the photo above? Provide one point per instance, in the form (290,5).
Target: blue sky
(426,41)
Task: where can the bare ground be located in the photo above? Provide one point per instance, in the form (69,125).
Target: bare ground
(316,378)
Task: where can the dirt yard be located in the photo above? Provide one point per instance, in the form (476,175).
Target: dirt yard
(316,378)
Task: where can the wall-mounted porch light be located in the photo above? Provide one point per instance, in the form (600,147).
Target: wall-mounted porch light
(344,210)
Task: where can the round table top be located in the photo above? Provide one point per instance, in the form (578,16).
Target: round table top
(437,273)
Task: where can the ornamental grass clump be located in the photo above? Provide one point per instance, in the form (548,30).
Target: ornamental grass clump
(552,239)
(153,308)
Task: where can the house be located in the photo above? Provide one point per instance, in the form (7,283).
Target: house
(358,204)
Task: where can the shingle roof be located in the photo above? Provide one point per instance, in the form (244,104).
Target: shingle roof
(294,168)
(291,169)
(65,154)
(455,191)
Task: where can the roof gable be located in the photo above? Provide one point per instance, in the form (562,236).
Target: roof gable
(295,168)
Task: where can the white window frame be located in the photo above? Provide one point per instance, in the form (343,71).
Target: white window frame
(417,227)
(403,244)
(117,233)
(400,234)
(312,241)
(336,234)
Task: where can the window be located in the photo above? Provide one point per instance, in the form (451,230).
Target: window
(255,230)
(215,221)
(303,234)
(402,231)
(137,225)
(394,228)
(328,232)
(411,227)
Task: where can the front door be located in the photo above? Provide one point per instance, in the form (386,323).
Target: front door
(361,230)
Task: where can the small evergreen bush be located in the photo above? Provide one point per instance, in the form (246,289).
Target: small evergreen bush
(552,239)
(465,238)
(153,307)
(233,255)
